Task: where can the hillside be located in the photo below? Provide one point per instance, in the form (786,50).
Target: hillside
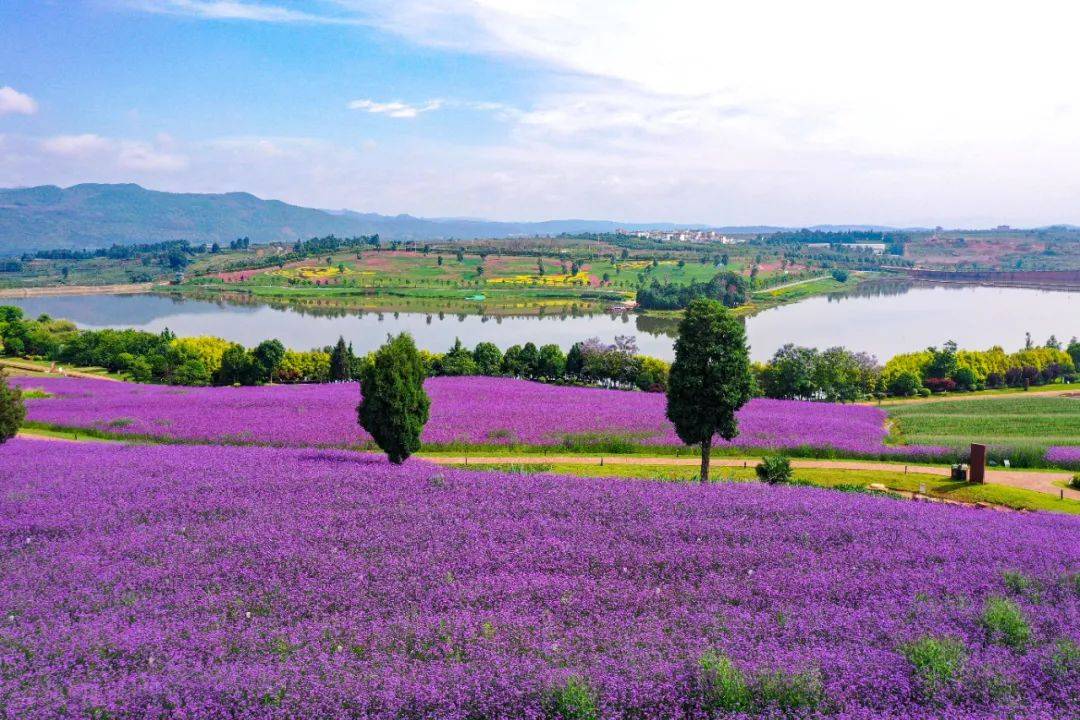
(95,215)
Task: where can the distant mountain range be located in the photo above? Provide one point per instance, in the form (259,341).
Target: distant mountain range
(96,215)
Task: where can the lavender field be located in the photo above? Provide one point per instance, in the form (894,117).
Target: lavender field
(472,410)
(184,581)
(1065,456)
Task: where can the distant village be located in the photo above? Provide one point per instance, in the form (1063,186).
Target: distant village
(683,236)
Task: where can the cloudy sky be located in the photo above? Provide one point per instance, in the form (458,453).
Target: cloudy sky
(916,113)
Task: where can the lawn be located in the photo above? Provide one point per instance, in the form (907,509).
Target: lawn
(208,581)
(1029,424)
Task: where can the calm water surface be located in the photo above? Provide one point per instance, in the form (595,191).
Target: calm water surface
(881,322)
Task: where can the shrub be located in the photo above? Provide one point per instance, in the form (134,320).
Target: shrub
(1017,582)
(937,385)
(573,701)
(924,392)
(723,686)
(840,275)
(936,662)
(789,692)
(1075,482)
(774,470)
(1065,660)
(1005,623)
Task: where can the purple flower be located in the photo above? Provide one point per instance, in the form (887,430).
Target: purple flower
(473,410)
(187,582)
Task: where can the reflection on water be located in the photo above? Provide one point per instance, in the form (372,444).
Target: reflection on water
(883,318)
(240,319)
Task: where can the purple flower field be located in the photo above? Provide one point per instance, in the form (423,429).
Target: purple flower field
(180,581)
(1067,456)
(473,410)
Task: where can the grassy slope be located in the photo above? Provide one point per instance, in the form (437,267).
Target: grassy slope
(1033,422)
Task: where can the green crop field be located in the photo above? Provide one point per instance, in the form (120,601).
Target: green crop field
(1013,421)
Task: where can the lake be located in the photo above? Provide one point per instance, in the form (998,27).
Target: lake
(883,321)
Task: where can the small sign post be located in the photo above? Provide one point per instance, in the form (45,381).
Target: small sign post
(978,463)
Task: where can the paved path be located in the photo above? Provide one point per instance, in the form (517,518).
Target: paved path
(1040,481)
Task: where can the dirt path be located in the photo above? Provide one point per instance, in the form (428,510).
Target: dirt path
(793,284)
(1039,481)
(49,372)
(120,289)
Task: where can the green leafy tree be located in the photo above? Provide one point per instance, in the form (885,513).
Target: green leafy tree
(267,356)
(550,362)
(341,361)
(458,361)
(237,367)
(12,410)
(710,378)
(529,359)
(488,358)
(394,407)
(512,363)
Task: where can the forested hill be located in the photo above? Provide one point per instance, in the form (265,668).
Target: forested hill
(93,215)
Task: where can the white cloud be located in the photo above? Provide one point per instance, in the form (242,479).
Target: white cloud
(235,10)
(395,109)
(781,111)
(83,145)
(120,153)
(14,102)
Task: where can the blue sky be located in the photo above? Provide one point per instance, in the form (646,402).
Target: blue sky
(781,113)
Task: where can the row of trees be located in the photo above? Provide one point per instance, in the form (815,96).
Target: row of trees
(591,362)
(729,287)
(834,374)
(838,374)
(950,368)
(206,360)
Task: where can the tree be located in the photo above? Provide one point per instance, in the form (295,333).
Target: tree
(340,361)
(730,288)
(393,406)
(458,360)
(488,358)
(710,378)
(790,373)
(550,362)
(237,367)
(12,410)
(267,356)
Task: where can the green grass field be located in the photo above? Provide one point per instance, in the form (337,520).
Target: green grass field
(1014,421)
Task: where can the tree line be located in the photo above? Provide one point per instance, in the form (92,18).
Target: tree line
(205,360)
(729,287)
(800,373)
